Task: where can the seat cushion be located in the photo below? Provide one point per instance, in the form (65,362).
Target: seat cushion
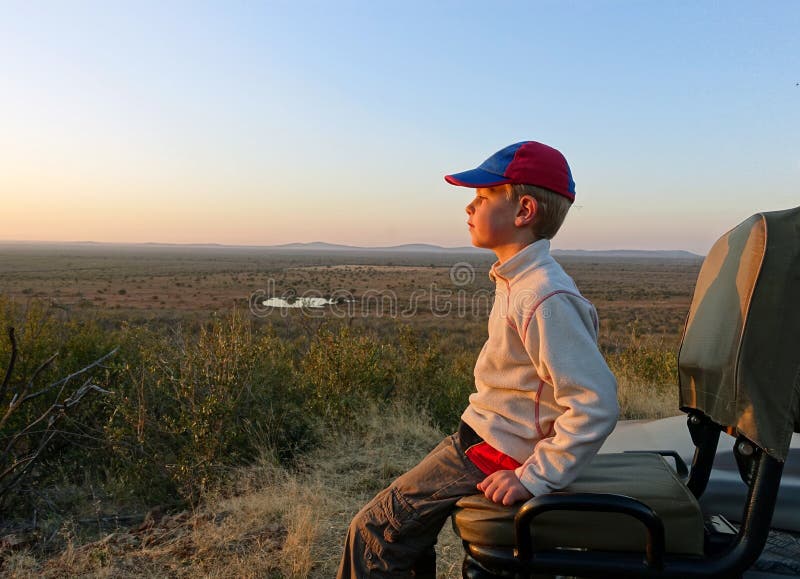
(645,477)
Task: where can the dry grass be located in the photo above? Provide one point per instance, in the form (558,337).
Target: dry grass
(272,522)
(267,522)
(638,400)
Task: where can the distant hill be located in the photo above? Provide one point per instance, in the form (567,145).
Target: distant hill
(423,247)
(314,245)
(321,246)
(427,247)
(632,253)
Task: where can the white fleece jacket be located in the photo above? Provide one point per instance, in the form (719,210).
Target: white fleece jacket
(545,395)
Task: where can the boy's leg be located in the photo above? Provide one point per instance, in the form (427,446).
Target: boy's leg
(400,525)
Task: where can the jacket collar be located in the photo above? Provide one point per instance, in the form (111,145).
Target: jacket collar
(529,257)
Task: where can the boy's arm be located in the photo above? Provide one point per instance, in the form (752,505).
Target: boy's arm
(561,339)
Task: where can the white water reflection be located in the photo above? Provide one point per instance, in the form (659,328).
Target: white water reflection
(299,302)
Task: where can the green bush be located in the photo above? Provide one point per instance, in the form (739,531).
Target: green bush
(649,363)
(431,378)
(646,368)
(190,408)
(345,371)
(342,372)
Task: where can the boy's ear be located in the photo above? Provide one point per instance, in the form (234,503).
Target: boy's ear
(526,211)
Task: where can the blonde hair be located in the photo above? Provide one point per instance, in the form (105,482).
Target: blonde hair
(551,208)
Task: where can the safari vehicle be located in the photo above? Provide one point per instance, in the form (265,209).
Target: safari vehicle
(645,513)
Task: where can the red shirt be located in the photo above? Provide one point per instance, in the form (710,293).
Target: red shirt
(488,459)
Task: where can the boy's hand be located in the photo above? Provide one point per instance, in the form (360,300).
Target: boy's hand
(503,487)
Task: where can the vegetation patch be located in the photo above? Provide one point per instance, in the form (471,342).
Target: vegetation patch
(223,443)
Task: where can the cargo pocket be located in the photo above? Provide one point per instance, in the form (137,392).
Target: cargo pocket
(391,530)
(403,520)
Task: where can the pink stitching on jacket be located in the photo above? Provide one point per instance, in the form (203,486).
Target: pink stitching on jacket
(536,409)
(550,430)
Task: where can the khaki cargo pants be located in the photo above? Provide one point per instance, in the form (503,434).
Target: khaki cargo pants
(394,534)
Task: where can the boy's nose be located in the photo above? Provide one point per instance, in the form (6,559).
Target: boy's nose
(469,209)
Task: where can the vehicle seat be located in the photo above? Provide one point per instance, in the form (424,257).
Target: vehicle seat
(642,476)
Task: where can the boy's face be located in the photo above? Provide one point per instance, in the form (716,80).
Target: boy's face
(492,218)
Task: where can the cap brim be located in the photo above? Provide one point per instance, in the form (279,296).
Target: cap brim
(476,178)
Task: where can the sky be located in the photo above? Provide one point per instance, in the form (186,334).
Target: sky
(275,122)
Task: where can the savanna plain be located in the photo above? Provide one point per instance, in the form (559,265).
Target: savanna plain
(219,436)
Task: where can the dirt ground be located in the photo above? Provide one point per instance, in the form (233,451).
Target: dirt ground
(448,291)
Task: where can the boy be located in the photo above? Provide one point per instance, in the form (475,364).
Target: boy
(545,399)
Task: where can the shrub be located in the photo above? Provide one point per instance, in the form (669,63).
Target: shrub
(50,364)
(430,378)
(648,360)
(190,408)
(342,373)
(647,372)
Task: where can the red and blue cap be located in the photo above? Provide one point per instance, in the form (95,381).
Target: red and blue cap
(525,163)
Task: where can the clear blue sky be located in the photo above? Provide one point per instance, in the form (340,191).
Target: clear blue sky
(274,122)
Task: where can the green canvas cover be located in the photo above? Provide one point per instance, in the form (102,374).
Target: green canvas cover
(739,361)
(645,477)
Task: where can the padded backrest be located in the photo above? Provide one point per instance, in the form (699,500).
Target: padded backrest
(739,361)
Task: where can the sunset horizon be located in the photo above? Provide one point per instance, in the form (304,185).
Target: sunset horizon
(275,123)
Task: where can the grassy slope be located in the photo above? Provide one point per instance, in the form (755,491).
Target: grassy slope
(267,522)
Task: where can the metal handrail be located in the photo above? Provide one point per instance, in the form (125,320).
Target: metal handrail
(590,502)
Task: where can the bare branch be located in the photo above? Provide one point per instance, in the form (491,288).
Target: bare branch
(65,433)
(11,362)
(15,465)
(39,432)
(19,398)
(81,392)
(8,485)
(66,379)
(27,430)
(36,373)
